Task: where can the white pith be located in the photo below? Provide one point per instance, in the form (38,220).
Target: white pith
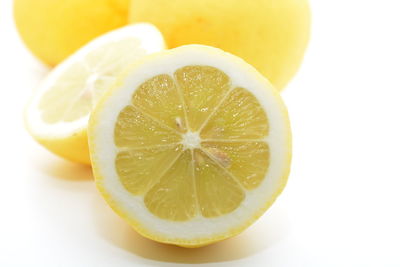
(146,37)
(241,75)
(191,140)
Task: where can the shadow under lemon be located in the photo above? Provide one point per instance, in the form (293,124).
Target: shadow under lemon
(259,237)
(62,169)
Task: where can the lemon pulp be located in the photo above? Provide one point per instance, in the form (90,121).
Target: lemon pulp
(75,93)
(191,144)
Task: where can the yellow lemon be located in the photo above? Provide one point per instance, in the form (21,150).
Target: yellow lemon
(191,146)
(53,30)
(269,34)
(59,110)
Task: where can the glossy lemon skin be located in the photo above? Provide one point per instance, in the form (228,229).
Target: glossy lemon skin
(53,30)
(74,148)
(272,35)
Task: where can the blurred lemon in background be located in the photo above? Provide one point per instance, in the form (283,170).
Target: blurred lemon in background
(53,30)
(272,35)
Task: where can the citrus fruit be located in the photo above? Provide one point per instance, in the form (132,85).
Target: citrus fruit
(59,110)
(269,34)
(53,30)
(191,146)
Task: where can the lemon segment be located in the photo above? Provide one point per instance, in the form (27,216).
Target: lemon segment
(202,87)
(140,169)
(160,98)
(239,117)
(173,197)
(247,161)
(217,191)
(135,129)
(56,102)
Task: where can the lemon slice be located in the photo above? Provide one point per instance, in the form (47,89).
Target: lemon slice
(58,113)
(191,147)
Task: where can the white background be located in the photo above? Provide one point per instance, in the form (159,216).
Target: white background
(340,208)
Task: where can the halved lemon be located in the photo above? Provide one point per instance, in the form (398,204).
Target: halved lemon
(191,146)
(58,113)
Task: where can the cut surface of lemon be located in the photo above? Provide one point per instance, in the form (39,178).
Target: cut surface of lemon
(58,113)
(191,146)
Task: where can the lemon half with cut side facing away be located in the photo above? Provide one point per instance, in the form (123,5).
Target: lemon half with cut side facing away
(191,146)
(58,112)
(53,30)
(271,35)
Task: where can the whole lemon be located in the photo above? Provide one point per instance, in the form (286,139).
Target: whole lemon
(272,35)
(53,30)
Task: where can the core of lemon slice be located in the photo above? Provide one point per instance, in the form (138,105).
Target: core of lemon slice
(58,113)
(191,147)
